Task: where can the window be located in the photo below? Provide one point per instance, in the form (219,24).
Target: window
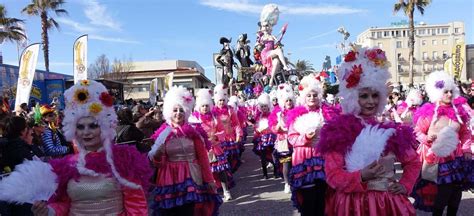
(424,67)
(423,42)
(444,30)
(386,33)
(438,30)
(429,31)
(399,44)
(373,34)
(380,45)
(421,31)
(456,30)
(399,56)
(456,41)
(397,33)
(400,68)
(445,54)
(393,33)
(434,42)
(433,31)
(425,55)
(445,41)
(404,33)
(435,54)
(379,34)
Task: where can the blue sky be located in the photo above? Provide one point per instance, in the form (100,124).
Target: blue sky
(147,30)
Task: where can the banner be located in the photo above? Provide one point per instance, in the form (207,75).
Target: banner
(55,92)
(458,58)
(28,61)
(153,90)
(80,58)
(168,81)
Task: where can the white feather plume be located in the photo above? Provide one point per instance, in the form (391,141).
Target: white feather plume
(31,181)
(159,141)
(194,120)
(262,124)
(446,142)
(367,147)
(308,122)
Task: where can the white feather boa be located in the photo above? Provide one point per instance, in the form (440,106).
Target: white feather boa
(308,122)
(31,181)
(446,142)
(367,147)
(159,141)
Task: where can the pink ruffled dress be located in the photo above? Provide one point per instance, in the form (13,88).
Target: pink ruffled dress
(281,135)
(228,129)
(347,194)
(184,172)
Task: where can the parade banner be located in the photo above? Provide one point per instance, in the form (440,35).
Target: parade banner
(55,92)
(168,81)
(458,59)
(153,90)
(80,58)
(28,61)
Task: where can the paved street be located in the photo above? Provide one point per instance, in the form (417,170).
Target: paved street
(255,196)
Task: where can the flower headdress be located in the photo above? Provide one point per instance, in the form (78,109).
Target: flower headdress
(362,68)
(220,93)
(177,95)
(90,98)
(437,82)
(203,97)
(309,83)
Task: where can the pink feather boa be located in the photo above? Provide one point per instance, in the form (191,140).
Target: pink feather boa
(186,131)
(427,111)
(129,163)
(220,111)
(329,112)
(273,118)
(339,134)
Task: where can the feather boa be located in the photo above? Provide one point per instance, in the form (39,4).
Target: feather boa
(220,111)
(446,142)
(340,133)
(31,181)
(329,112)
(273,117)
(130,164)
(427,111)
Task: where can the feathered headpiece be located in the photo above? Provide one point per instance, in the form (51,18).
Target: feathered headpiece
(203,97)
(283,93)
(177,95)
(234,102)
(309,83)
(363,68)
(437,83)
(414,98)
(264,99)
(269,15)
(220,93)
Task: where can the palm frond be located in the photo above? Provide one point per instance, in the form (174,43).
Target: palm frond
(61,12)
(53,23)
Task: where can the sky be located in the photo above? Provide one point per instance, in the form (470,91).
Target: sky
(151,30)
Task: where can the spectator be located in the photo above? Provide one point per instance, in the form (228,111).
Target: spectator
(147,123)
(127,132)
(53,141)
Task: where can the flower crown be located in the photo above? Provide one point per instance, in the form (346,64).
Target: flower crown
(90,95)
(375,56)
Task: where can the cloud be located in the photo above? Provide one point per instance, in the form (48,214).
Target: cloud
(319,46)
(79,27)
(322,34)
(99,16)
(113,39)
(242,6)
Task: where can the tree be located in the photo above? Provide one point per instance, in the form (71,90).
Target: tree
(408,6)
(304,67)
(10,29)
(118,71)
(99,68)
(43,8)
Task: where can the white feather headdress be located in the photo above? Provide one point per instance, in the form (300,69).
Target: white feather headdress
(177,95)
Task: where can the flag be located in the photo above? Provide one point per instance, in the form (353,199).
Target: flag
(153,90)
(80,58)
(168,81)
(458,58)
(28,61)
(338,59)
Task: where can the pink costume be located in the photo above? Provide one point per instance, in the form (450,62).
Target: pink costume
(452,168)
(263,138)
(228,129)
(99,195)
(307,162)
(184,173)
(348,195)
(266,58)
(217,157)
(406,113)
(273,120)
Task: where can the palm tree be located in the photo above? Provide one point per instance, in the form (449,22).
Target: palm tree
(408,7)
(42,8)
(10,29)
(304,67)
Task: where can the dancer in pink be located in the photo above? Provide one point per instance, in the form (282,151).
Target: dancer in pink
(277,122)
(307,177)
(442,127)
(103,179)
(185,184)
(407,109)
(228,131)
(203,117)
(360,151)
(241,112)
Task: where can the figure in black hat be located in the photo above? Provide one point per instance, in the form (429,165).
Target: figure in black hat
(226,59)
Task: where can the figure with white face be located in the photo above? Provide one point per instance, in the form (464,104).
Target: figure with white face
(442,128)
(204,119)
(407,109)
(307,177)
(99,179)
(360,151)
(182,161)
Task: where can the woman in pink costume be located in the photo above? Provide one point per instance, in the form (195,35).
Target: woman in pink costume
(103,179)
(184,184)
(442,127)
(407,109)
(277,122)
(241,112)
(360,151)
(228,126)
(220,167)
(263,138)
(307,177)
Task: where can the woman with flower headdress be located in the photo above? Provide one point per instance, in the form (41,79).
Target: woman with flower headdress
(307,178)
(102,179)
(442,128)
(277,122)
(185,184)
(359,151)
(204,119)
(228,131)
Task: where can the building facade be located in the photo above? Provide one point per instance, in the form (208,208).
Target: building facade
(186,73)
(435,45)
